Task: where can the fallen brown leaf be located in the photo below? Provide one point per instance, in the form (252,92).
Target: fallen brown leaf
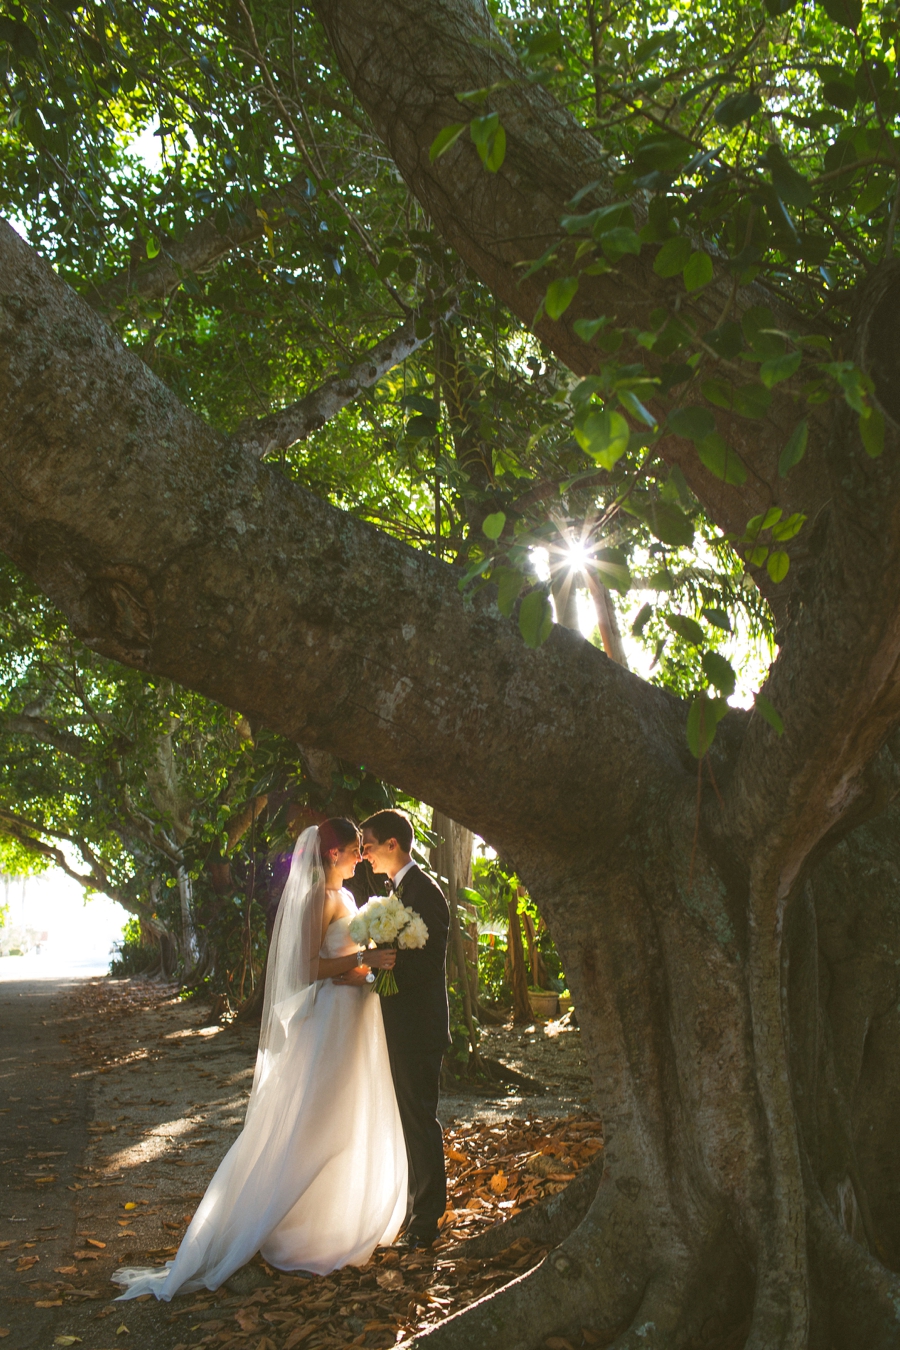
(26,1262)
(95,1242)
(299,1334)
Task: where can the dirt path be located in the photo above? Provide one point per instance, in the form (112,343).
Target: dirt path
(121,1104)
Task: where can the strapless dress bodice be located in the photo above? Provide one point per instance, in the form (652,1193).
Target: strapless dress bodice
(338,941)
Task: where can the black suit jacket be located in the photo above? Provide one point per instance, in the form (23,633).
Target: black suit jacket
(417,1017)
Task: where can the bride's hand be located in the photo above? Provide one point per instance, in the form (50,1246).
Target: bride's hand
(381,958)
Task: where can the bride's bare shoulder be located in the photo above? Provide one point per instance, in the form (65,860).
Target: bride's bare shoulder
(338,904)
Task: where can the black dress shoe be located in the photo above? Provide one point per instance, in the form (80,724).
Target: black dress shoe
(414,1242)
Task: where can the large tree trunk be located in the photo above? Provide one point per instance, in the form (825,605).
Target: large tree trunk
(735,1007)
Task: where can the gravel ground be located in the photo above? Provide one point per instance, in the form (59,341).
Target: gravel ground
(122,1102)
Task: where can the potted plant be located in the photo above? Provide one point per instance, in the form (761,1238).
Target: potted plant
(544,1002)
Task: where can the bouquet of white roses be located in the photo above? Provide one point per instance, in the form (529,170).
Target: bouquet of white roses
(388,923)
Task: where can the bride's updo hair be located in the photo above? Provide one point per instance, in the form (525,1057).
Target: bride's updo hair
(337,833)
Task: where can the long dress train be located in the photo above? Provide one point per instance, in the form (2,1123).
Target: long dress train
(318,1176)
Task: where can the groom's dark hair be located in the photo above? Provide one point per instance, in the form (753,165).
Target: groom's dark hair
(387,825)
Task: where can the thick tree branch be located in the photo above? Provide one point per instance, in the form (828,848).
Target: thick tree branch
(406,63)
(198,251)
(171,549)
(836,684)
(299,420)
(28,834)
(39,729)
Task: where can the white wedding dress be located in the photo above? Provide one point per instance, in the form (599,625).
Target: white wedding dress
(317,1178)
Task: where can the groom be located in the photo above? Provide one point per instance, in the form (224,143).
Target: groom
(416,1022)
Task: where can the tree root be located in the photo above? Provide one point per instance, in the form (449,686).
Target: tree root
(598,1276)
(856,1300)
(546,1223)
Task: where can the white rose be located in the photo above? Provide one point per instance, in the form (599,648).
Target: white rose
(358,927)
(414,935)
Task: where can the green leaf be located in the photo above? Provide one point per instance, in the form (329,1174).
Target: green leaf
(444,139)
(749,400)
(19,36)
(662,152)
(640,622)
(422,404)
(757,556)
(790,185)
(839,94)
(669,523)
(847,13)
(492,525)
(720,459)
(777,565)
(786,529)
(770,713)
(612,569)
(619,241)
(871,429)
(543,45)
(698,270)
(602,434)
(726,340)
(587,329)
(794,450)
(535,618)
(152,247)
(421,427)
(489,140)
(704,717)
(717,617)
(482,129)
(779,368)
(686,628)
(475,569)
(495,153)
(756,524)
(509,582)
(719,672)
(560,295)
(635,406)
(737,108)
(672,257)
(693,423)
(755,322)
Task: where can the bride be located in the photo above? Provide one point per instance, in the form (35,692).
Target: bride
(318,1176)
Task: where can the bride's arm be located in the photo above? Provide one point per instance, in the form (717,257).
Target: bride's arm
(327,967)
(378,959)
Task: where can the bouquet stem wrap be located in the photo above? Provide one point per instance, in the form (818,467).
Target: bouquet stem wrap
(388,923)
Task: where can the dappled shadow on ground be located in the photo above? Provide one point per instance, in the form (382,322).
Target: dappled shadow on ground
(165,1097)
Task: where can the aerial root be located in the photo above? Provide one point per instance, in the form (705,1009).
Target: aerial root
(596,1277)
(855,1298)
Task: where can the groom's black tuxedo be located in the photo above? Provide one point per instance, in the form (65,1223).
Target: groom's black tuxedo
(417,1029)
(418,1017)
